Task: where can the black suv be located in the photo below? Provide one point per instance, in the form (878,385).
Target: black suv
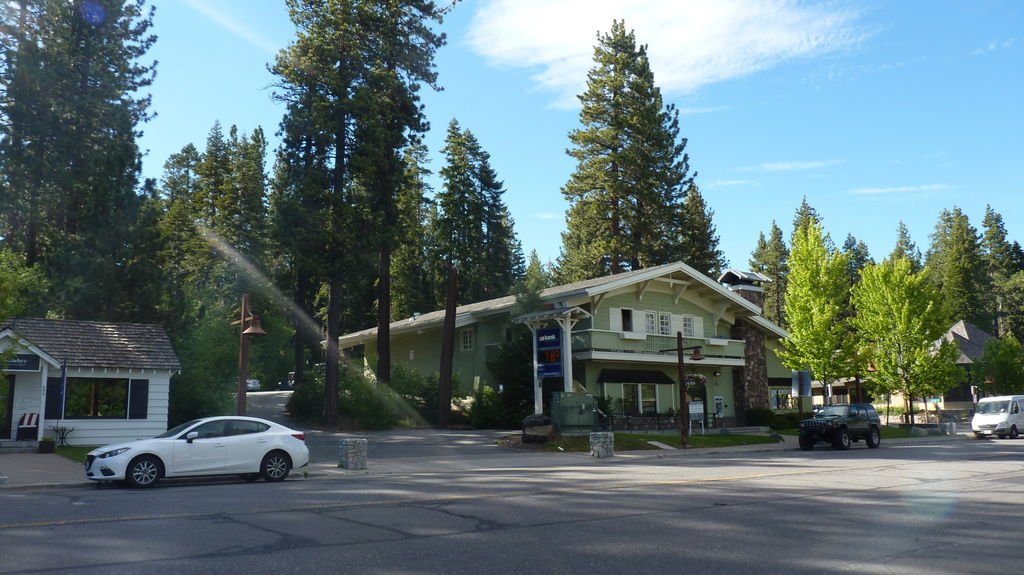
(840,425)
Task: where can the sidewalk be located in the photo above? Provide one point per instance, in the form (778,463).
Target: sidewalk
(39,470)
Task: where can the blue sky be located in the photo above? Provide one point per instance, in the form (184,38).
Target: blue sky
(875,111)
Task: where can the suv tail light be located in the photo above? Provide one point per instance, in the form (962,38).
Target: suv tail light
(299,436)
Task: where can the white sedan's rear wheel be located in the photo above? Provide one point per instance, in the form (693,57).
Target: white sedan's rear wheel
(275,466)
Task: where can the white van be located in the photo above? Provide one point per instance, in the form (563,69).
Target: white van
(1000,416)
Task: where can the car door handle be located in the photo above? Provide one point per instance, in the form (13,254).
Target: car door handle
(262,441)
(220,445)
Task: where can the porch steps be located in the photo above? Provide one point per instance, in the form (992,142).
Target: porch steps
(19,447)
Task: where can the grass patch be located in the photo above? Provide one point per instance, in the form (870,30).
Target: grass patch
(639,441)
(74,452)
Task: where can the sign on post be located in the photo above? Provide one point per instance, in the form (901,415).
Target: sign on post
(23,362)
(549,352)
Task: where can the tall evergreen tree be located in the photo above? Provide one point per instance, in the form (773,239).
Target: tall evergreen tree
(71,79)
(473,229)
(956,267)
(770,258)
(412,285)
(631,168)
(698,243)
(805,213)
(354,70)
(998,254)
(906,248)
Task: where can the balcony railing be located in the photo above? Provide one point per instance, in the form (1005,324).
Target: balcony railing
(613,341)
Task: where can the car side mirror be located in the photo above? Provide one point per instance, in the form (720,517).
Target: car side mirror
(191,435)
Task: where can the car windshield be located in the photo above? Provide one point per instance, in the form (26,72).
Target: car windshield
(176,430)
(993,407)
(830,410)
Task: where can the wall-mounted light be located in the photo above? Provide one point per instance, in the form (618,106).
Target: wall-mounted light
(717,373)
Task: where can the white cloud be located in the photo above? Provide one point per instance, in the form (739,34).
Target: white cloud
(691,44)
(994,46)
(232,25)
(899,189)
(546,216)
(791,166)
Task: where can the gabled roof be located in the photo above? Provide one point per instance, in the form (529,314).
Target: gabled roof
(97,344)
(733,276)
(969,339)
(470,313)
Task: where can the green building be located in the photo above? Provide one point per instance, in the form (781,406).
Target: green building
(622,331)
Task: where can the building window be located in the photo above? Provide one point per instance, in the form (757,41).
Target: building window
(466,340)
(687,326)
(627,319)
(665,323)
(639,399)
(99,398)
(651,322)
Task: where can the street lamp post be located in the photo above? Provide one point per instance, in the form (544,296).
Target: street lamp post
(249,325)
(684,407)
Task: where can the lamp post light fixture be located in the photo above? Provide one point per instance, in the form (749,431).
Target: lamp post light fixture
(249,325)
(684,406)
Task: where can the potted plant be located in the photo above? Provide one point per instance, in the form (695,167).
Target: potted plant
(46,445)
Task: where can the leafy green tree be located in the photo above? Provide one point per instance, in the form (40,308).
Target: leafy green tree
(21,286)
(770,258)
(1002,361)
(1013,315)
(816,293)
(906,248)
(631,173)
(957,268)
(698,242)
(899,319)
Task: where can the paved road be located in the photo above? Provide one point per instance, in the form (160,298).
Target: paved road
(938,508)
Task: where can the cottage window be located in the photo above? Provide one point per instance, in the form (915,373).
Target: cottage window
(687,326)
(665,323)
(95,397)
(466,340)
(651,322)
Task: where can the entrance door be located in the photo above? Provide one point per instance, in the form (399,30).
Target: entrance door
(6,406)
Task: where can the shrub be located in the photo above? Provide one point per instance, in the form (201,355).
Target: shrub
(488,409)
(759,416)
(789,420)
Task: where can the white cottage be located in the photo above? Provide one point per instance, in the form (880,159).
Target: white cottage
(93,382)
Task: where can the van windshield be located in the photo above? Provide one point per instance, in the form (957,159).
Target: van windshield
(993,407)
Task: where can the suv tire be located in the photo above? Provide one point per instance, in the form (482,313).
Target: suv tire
(874,438)
(842,439)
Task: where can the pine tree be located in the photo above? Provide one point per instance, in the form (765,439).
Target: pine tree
(698,238)
(906,248)
(770,258)
(956,267)
(998,254)
(631,172)
(803,217)
(473,229)
(412,284)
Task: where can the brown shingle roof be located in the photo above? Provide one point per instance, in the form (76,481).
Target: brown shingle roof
(969,339)
(98,344)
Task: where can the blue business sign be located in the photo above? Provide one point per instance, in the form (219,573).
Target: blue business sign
(549,352)
(23,362)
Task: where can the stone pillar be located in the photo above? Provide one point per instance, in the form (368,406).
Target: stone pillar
(752,384)
(602,444)
(352,454)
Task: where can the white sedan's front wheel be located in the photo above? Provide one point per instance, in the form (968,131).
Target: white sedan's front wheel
(143,471)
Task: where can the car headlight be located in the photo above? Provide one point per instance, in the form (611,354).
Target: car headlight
(113,452)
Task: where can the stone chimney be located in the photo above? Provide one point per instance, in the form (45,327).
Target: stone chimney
(750,383)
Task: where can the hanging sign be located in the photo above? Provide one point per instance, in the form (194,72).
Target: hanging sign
(549,352)
(23,362)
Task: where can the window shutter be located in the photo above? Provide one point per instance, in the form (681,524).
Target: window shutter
(615,319)
(53,407)
(677,324)
(138,399)
(698,326)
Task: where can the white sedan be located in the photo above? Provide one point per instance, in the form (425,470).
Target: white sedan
(229,445)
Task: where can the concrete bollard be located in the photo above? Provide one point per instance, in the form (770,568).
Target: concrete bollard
(352,454)
(602,444)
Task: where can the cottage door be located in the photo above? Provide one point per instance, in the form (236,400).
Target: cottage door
(6,406)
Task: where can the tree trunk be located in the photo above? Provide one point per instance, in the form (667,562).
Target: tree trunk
(444,395)
(384,316)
